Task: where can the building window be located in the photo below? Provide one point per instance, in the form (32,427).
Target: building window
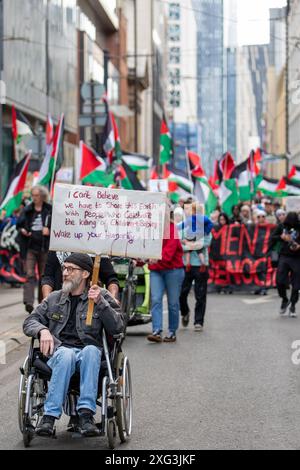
(174,55)
(174,11)
(174,76)
(174,98)
(174,32)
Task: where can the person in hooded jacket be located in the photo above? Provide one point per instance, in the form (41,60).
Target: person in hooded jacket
(288,272)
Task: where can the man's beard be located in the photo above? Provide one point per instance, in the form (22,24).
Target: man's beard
(70,286)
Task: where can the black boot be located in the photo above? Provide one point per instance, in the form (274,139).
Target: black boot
(46,426)
(87,424)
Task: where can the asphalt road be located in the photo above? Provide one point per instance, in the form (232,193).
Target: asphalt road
(234,386)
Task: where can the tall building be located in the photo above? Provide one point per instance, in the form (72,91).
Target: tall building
(276,88)
(210,72)
(277,46)
(294,80)
(40,69)
(230,75)
(182,79)
(252,66)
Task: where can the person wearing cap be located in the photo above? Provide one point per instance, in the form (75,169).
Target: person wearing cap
(52,278)
(59,322)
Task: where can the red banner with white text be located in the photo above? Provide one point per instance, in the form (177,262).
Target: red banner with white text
(240,257)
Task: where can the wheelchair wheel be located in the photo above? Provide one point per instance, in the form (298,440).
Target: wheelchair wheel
(32,395)
(22,394)
(111,433)
(124,398)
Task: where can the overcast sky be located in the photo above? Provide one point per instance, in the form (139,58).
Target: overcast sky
(253,17)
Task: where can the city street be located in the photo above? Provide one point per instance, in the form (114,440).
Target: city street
(234,386)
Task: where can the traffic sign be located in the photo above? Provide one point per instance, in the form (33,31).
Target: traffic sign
(88,121)
(87,92)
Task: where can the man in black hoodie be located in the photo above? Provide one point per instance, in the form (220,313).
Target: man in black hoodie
(288,272)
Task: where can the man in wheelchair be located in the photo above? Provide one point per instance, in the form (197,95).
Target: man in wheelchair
(59,323)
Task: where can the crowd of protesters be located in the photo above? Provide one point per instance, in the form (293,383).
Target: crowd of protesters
(184,263)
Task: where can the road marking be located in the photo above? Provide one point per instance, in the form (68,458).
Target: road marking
(257,301)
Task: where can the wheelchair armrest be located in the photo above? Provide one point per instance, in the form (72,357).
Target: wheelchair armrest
(119,336)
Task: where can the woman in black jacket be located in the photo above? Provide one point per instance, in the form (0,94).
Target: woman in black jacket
(288,272)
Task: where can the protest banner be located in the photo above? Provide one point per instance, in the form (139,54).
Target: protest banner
(108,221)
(240,257)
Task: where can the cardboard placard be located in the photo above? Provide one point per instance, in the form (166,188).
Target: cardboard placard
(108,221)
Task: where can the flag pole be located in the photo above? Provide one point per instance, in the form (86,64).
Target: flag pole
(95,277)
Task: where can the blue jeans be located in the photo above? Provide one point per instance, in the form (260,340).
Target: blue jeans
(64,363)
(171,281)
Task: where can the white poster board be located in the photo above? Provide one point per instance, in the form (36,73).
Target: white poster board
(108,221)
(160,186)
(293,204)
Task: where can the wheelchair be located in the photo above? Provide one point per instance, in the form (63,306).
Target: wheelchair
(114,393)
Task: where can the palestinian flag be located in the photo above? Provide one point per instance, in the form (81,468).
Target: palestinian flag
(214,180)
(228,191)
(203,191)
(93,168)
(127,178)
(228,194)
(269,187)
(178,178)
(13,197)
(194,160)
(46,169)
(242,176)
(226,166)
(54,152)
(136,161)
(254,160)
(179,185)
(111,145)
(294,174)
(165,144)
(20,125)
(154,175)
(288,187)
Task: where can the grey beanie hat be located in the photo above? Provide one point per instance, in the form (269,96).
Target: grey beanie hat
(81,260)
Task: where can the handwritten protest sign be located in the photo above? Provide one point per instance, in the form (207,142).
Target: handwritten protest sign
(293,204)
(108,221)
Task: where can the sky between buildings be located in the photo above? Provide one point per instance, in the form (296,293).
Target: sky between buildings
(253,20)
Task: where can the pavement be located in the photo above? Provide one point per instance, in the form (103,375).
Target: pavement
(236,385)
(12,315)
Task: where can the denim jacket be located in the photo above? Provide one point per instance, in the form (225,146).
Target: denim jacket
(53,314)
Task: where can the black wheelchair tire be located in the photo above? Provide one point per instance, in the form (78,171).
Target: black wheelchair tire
(111,433)
(124,424)
(119,403)
(22,395)
(27,438)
